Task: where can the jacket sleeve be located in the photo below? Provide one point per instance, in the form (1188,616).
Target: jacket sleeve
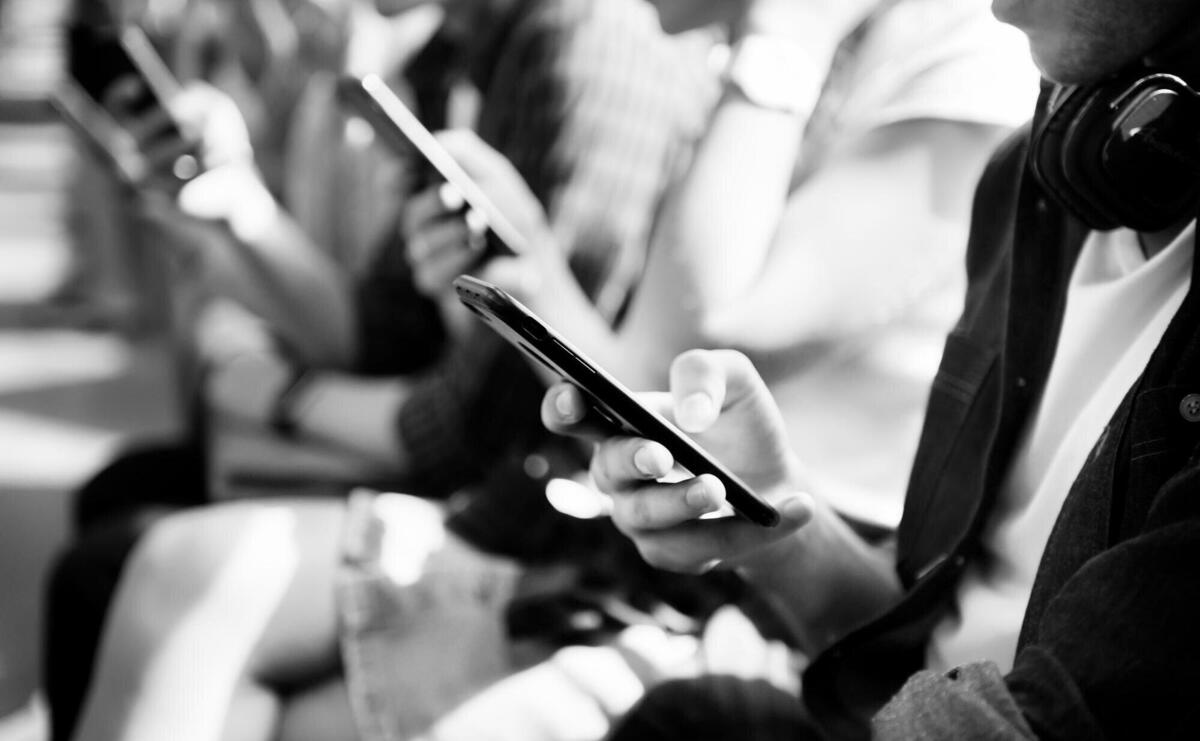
(971,701)
(1117,652)
(1118,646)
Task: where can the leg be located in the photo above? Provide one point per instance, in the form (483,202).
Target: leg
(716,707)
(110,514)
(78,594)
(219,608)
(320,713)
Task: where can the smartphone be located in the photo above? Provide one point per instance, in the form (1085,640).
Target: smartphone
(610,399)
(371,98)
(99,58)
(99,132)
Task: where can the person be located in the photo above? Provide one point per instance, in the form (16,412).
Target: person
(1042,581)
(597,139)
(436,604)
(893,102)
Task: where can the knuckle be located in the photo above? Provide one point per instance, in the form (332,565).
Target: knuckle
(655,555)
(737,360)
(599,472)
(662,557)
(640,511)
(689,360)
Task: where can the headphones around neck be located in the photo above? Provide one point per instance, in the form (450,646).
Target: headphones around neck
(1124,152)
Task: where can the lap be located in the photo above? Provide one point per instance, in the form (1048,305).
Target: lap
(277,555)
(427,653)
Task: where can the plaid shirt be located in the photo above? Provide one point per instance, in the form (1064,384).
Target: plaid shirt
(596,109)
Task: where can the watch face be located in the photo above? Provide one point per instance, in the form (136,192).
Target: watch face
(774,73)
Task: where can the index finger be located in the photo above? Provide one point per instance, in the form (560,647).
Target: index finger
(566,410)
(421,208)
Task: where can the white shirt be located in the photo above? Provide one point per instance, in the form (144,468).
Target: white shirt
(1118,306)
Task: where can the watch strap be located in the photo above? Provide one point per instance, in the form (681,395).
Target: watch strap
(283,411)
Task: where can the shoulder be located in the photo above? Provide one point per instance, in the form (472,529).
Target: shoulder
(611,53)
(576,27)
(946,59)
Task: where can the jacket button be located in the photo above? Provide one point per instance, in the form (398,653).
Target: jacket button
(1189,408)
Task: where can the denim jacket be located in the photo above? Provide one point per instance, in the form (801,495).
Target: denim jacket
(1110,643)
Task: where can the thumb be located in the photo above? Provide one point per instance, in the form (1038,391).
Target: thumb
(795,510)
(704,382)
(472,153)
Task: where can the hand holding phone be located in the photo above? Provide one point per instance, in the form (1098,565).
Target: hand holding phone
(371,98)
(121,81)
(609,398)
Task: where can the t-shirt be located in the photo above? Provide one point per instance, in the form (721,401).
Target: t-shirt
(1118,306)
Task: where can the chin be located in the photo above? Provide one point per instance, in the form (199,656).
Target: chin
(1068,65)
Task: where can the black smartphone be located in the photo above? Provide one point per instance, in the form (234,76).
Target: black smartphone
(371,98)
(99,57)
(610,399)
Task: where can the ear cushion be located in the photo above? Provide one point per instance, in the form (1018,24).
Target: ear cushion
(1054,155)
(1122,153)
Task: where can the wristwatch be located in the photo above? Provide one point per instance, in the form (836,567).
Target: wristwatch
(282,415)
(774,73)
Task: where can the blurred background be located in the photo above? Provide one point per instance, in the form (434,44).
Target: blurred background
(79,376)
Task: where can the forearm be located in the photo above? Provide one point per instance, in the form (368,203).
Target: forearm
(722,218)
(356,414)
(719,223)
(349,412)
(716,227)
(825,579)
(837,270)
(288,281)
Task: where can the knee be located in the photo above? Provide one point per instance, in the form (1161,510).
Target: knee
(184,556)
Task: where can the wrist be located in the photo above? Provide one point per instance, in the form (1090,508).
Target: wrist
(253,211)
(282,416)
(232,193)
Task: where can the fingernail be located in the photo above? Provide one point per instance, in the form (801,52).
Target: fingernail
(649,461)
(451,198)
(797,508)
(564,404)
(476,222)
(696,412)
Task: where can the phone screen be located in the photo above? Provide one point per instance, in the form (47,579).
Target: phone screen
(609,398)
(371,98)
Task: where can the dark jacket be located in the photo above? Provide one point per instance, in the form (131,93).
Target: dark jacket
(1110,644)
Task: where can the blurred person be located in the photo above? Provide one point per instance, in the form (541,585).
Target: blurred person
(835,170)
(449,605)
(113,508)
(1042,583)
(110,273)
(598,137)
